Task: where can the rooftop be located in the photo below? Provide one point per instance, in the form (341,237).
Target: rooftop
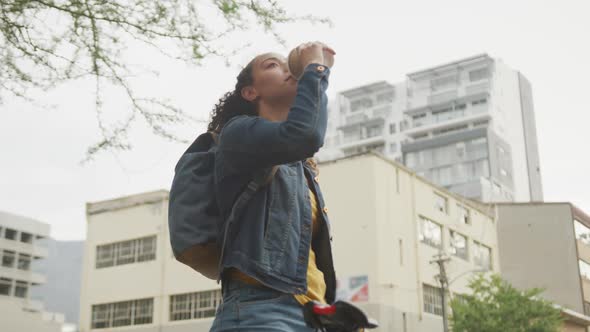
(366,89)
(126,201)
(464,200)
(24,224)
(450,65)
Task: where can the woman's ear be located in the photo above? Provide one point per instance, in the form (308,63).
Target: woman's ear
(249,93)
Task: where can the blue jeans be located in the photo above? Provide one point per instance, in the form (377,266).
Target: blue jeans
(257,308)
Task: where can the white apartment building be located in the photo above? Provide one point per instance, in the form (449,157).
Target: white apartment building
(388,226)
(467,126)
(20,245)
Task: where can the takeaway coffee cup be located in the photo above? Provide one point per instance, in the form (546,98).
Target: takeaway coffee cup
(295,65)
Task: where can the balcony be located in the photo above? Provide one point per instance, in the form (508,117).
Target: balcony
(16,274)
(377,112)
(428,126)
(24,248)
(361,141)
(442,97)
(481,87)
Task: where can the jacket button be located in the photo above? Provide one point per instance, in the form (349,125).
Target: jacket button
(321,68)
(316,179)
(325,210)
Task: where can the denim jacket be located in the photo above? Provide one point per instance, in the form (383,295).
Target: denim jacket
(271,238)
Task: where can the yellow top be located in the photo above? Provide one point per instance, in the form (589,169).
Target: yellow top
(316,286)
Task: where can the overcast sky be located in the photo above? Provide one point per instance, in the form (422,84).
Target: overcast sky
(41,150)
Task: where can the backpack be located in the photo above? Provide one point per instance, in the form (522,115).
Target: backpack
(193,216)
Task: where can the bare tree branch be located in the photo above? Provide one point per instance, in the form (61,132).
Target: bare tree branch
(44,43)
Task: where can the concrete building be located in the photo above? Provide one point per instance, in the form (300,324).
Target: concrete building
(467,126)
(556,256)
(20,245)
(389,225)
(130,277)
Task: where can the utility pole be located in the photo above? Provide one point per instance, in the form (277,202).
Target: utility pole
(441,259)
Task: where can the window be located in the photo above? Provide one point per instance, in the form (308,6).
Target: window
(482,123)
(482,256)
(351,135)
(479,102)
(373,131)
(105,255)
(432,299)
(24,262)
(584,269)
(403,125)
(360,104)
(450,130)
(459,245)
(479,74)
(180,307)
(20,289)
(123,313)
(420,136)
(440,202)
(8,258)
(582,232)
(194,305)
(126,252)
(26,237)
(393,147)
(419,120)
(463,214)
(392,128)
(101,316)
(147,249)
(5,286)
(385,97)
(444,81)
(143,311)
(10,234)
(430,233)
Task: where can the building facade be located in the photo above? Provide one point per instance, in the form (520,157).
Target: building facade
(386,232)
(467,126)
(556,256)
(21,243)
(130,278)
(389,225)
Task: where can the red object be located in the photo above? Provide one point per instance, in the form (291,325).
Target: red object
(324,309)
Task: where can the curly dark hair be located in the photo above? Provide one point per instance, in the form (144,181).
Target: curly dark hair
(232,103)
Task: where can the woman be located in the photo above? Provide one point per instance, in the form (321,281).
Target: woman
(277,255)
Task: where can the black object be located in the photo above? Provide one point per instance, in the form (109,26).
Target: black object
(340,316)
